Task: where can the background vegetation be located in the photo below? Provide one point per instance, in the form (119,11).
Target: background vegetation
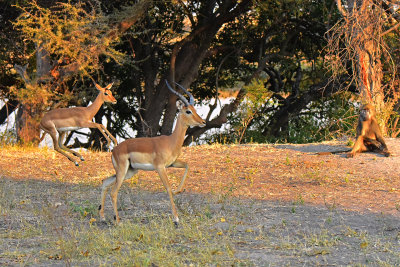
(286,59)
(294,71)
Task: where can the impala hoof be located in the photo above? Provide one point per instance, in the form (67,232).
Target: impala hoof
(176,224)
(82,159)
(76,164)
(175,192)
(117,221)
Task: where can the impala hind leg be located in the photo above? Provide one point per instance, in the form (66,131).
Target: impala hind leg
(109,181)
(61,144)
(106,184)
(53,133)
(124,171)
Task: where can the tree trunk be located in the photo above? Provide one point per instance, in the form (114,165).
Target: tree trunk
(295,104)
(27,124)
(364,29)
(185,62)
(30,112)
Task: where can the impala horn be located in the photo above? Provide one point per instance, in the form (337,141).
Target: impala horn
(191,98)
(184,100)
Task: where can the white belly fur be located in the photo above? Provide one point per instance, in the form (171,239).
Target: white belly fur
(143,166)
(144,161)
(66,129)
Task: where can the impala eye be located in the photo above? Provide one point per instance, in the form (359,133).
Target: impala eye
(188,112)
(105,93)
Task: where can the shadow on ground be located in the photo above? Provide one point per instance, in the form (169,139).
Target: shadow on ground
(260,233)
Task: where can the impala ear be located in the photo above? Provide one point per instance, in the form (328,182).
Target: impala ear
(180,105)
(108,87)
(99,87)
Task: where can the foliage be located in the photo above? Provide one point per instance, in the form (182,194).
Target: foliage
(364,45)
(33,94)
(282,44)
(70,32)
(325,119)
(256,97)
(278,43)
(69,41)
(74,35)
(8,137)
(85,209)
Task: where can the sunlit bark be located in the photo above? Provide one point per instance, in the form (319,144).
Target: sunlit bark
(362,29)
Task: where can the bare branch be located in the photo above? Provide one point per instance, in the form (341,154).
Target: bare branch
(340,8)
(136,15)
(188,13)
(42,61)
(22,72)
(389,30)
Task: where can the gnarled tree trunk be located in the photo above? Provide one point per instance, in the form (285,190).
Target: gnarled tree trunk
(363,28)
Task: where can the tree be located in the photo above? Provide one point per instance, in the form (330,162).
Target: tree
(69,40)
(275,38)
(10,41)
(176,42)
(283,44)
(152,102)
(204,45)
(360,45)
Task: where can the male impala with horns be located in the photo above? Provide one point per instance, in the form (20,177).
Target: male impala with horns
(152,154)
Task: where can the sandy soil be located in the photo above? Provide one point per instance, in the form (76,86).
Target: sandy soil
(285,192)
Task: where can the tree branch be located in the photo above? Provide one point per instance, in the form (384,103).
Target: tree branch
(136,15)
(340,8)
(22,72)
(7,109)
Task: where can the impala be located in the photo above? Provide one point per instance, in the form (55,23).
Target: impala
(63,120)
(152,153)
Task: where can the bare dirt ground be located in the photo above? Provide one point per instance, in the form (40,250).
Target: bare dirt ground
(277,205)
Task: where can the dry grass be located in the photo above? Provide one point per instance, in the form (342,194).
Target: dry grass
(263,204)
(368,182)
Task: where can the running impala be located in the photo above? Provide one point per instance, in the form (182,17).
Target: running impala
(63,120)
(152,154)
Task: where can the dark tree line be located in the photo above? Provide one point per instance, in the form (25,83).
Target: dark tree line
(207,46)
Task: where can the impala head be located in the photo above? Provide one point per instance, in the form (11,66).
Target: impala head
(106,93)
(186,109)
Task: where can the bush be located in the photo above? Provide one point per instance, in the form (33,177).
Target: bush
(322,120)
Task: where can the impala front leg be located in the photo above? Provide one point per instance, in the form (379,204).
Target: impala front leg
(109,134)
(180,164)
(100,127)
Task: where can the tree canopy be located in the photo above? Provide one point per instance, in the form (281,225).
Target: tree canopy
(272,53)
